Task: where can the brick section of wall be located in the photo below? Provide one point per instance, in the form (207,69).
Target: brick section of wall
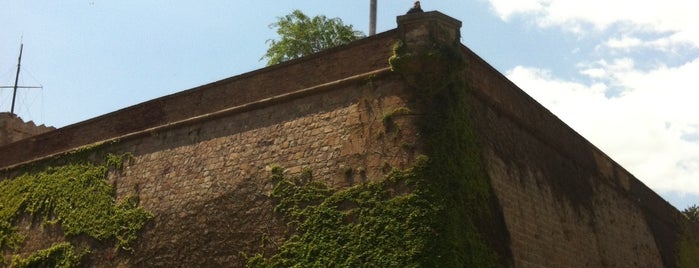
(13,128)
(566,204)
(323,67)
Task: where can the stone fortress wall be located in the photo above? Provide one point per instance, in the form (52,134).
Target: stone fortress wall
(202,157)
(13,128)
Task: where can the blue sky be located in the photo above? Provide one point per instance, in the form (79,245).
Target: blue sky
(624,74)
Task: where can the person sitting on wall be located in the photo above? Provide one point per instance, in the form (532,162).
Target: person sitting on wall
(416,8)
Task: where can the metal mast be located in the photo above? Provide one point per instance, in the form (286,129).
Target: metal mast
(15,87)
(372,17)
(14,91)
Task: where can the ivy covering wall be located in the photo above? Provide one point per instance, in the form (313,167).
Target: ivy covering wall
(688,245)
(431,215)
(377,223)
(77,199)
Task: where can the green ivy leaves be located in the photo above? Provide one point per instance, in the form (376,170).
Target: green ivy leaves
(77,197)
(376,224)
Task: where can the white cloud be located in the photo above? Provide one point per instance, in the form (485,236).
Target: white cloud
(677,18)
(624,42)
(670,43)
(638,99)
(642,129)
(507,8)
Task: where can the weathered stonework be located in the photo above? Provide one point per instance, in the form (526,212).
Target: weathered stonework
(215,175)
(201,160)
(12,129)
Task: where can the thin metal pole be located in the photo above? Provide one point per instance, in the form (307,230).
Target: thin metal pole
(372,17)
(14,91)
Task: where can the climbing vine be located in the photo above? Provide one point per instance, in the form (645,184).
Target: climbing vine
(385,223)
(435,214)
(458,181)
(688,240)
(688,252)
(75,197)
(58,255)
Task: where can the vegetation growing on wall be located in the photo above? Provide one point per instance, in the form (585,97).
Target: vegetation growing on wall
(471,221)
(386,223)
(59,255)
(688,250)
(77,198)
(432,215)
(688,244)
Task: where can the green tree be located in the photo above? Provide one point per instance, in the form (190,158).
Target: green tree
(301,35)
(691,213)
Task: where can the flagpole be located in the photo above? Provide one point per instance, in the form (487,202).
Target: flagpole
(14,91)
(372,17)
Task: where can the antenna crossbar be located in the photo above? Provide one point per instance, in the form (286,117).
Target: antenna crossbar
(20,87)
(15,87)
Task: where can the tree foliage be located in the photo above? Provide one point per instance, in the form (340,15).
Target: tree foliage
(301,35)
(691,213)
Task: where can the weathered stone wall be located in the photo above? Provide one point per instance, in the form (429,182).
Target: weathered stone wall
(565,203)
(12,129)
(208,184)
(201,158)
(324,67)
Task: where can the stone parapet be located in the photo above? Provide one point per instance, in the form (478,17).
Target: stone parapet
(13,128)
(419,31)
